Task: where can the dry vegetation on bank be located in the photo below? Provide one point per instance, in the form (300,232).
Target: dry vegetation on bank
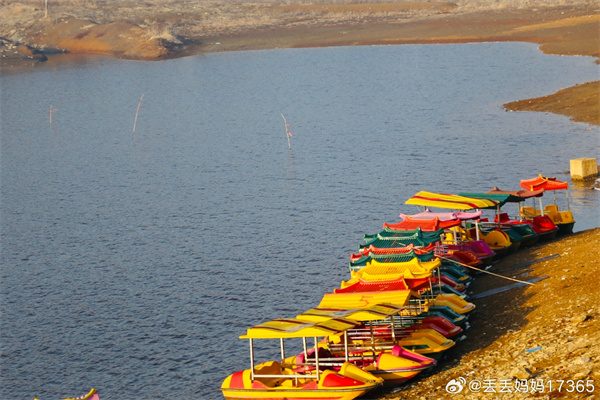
(158,29)
(195,19)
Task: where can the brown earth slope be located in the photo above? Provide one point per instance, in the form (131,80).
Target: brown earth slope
(546,332)
(581,103)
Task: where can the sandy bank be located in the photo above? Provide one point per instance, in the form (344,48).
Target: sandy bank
(581,103)
(546,332)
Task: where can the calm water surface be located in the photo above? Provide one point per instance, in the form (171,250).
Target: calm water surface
(132,263)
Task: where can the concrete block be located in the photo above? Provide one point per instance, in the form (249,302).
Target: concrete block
(583,169)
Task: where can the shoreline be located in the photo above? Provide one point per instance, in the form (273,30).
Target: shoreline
(561,30)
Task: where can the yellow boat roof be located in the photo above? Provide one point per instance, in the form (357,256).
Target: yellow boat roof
(366,300)
(414,265)
(295,328)
(374,313)
(450,201)
(382,271)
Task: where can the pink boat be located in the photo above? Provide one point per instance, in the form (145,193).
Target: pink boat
(445,216)
(409,223)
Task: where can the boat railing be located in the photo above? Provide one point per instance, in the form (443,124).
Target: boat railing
(367,355)
(287,376)
(379,332)
(377,346)
(495,225)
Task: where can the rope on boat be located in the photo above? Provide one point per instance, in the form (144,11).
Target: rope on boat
(487,272)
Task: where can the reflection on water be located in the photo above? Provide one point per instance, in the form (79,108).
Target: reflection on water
(133,264)
(583,197)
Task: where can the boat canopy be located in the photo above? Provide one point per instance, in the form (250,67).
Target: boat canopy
(523,194)
(541,182)
(374,313)
(501,198)
(445,216)
(426,224)
(451,201)
(363,300)
(295,328)
(414,266)
(361,285)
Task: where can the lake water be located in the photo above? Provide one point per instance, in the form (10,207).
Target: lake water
(132,263)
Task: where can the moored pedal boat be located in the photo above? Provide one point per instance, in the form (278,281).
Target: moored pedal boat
(372,250)
(292,379)
(394,364)
(562,218)
(91,395)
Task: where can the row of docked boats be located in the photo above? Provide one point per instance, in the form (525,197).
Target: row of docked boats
(404,304)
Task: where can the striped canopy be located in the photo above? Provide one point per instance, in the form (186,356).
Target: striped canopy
(450,201)
(295,328)
(501,198)
(375,313)
(365,300)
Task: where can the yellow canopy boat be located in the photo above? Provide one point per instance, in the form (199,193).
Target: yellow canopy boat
(376,270)
(395,365)
(293,378)
(385,336)
(450,201)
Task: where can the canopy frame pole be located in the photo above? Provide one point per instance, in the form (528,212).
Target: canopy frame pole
(304,346)
(346,346)
(282,349)
(431,286)
(498,215)
(541,207)
(519,207)
(372,337)
(317,358)
(251,359)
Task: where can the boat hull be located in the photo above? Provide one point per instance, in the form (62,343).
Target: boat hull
(292,394)
(564,229)
(348,383)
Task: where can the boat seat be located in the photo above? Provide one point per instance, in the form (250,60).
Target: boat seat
(529,212)
(551,210)
(503,217)
(268,368)
(303,368)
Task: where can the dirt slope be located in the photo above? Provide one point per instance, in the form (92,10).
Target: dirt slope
(546,332)
(581,103)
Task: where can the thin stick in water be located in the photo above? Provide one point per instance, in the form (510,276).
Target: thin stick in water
(137,112)
(51,113)
(287,131)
